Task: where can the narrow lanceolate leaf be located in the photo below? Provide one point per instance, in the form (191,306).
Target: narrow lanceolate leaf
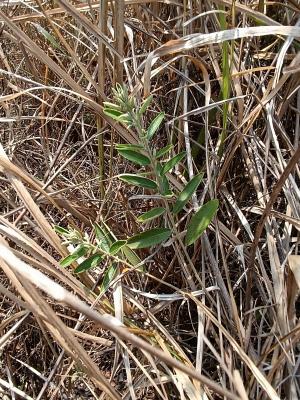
(111,106)
(103,240)
(200,221)
(89,263)
(78,252)
(117,246)
(108,277)
(60,230)
(47,35)
(132,257)
(117,115)
(112,113)
(171,163)
(187,193)
(163,151)
(135,157)
(165,187)
(149,238)
(126,146)
(145,105)
(154,213)
(155,124)
(138,180)
(125,119)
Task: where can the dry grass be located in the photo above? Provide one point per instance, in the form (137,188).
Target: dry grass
(215,320)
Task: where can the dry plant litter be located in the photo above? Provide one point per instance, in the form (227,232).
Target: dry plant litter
(149,199)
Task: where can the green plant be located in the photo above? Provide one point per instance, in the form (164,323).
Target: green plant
(153,168)
(226,73)
(145,155)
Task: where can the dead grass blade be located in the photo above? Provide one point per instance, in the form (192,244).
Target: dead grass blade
(106,321)
(57,328)
(173,321)
(193,41)
(41,221)
(44,58)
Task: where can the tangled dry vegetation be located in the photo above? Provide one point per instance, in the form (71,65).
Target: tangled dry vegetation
(217,319)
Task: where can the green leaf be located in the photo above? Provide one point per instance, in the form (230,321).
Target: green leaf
(112,113)
(108,232)
(145,105)
(149,215)
(118,115)
(89,263)
(78,252)
(165,187)
(104,241)
(61,230)
(125,118)
(108,277)
(200,221)
(138,180)
(135,157)
(131,257)
(155,124)
(148,238)
(187,193)
(111,106)
(116,247)
(120,88)
(171,163)
(47,35)
(163,151)
(164,184)
(125,146)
